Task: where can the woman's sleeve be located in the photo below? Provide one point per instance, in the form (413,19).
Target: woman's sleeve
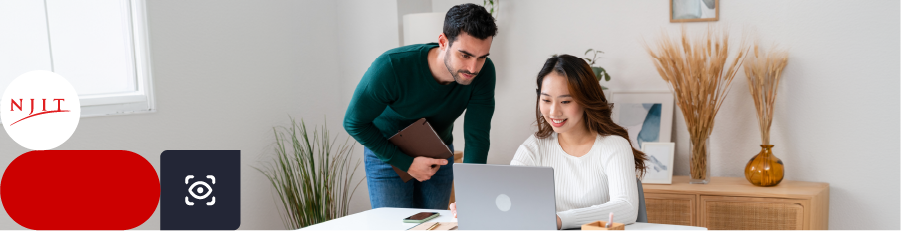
(619,166)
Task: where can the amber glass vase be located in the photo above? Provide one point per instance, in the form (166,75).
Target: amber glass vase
(765,169)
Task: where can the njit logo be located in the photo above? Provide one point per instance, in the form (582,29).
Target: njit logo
(13,105)
(196,187)
(43,110)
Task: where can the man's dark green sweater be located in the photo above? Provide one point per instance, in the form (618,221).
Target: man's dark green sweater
(399,89)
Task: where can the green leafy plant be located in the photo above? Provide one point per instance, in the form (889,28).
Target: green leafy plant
(493,6)
(599,72)
(312,177)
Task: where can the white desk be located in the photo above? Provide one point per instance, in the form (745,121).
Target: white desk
(392,219)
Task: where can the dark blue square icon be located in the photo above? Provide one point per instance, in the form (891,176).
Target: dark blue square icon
(200,189)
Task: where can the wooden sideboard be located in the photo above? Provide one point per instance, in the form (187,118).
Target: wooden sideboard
(458,158)
(733,203)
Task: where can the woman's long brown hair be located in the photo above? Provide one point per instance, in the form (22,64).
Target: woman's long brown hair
(586,91)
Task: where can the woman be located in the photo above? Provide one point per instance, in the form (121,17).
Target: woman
(594,163)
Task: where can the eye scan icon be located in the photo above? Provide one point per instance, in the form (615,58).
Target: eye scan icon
(200,190)
(196,187)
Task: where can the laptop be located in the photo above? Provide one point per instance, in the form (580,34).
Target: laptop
(504,197)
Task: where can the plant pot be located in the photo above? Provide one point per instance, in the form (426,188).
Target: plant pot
(765,169)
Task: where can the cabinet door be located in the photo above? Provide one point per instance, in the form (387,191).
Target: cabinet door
(721,212)
(674,209)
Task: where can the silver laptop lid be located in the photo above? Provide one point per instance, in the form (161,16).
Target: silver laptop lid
(492,197)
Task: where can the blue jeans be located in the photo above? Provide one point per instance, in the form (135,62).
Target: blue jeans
(386,189)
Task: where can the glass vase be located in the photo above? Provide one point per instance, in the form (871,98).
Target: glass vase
(765,169)
(700,169)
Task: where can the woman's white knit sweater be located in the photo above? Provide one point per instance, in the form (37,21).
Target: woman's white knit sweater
(589,187)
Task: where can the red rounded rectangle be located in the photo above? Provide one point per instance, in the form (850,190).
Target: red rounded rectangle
(80,189)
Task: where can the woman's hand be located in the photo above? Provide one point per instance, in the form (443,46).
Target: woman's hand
(559,223)
(453,208)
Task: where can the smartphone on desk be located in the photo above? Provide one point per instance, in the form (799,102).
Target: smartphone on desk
(420,217)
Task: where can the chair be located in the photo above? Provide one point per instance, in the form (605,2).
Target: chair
(642,210)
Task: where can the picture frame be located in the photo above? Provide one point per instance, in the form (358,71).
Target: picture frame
(660,162)
(646,116)
(694,10)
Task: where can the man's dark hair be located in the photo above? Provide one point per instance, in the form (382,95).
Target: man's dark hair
(470,18)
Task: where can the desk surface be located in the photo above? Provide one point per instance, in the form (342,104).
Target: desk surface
(392,219)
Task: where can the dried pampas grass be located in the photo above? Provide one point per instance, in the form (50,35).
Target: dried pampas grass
(695,69)
(763,72)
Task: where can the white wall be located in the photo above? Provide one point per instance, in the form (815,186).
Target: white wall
(366,30)
(837,115)
(225,73)
(405,7)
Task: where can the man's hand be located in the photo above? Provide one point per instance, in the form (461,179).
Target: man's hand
(453,209)
(422,169)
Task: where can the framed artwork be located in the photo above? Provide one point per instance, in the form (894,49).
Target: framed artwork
(647,116)
(694,10)
(659,163)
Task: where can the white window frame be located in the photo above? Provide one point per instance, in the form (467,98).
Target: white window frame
(141,100)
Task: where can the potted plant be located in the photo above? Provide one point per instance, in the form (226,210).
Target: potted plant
(764,70)
(599,72)
(695,68)
(493,6)
(312,177)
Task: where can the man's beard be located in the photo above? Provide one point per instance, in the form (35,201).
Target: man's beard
(457,73)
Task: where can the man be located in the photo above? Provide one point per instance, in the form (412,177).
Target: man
(433,81)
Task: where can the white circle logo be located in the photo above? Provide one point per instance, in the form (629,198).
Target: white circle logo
(40,110)
(502,202)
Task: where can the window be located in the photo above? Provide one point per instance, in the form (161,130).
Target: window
(100,46)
